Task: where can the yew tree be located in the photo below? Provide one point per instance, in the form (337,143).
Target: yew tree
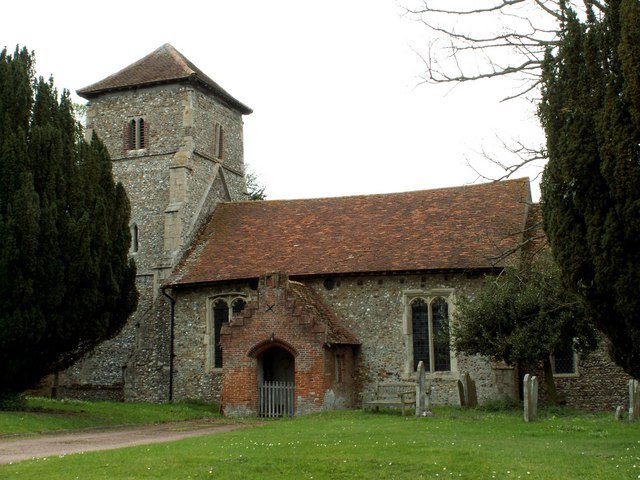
(579,60)
(66,282)
(590,112)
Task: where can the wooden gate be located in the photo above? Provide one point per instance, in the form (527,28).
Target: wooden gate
(276,399)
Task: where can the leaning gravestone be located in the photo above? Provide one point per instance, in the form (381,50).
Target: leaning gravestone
(423,390)
(634,400)
(530,397)
(461,395)
(470,391)
(467,391)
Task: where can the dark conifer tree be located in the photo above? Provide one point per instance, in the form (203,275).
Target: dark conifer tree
(590,111)
(66,282)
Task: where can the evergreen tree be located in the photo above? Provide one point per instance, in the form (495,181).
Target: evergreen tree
(66,283)
(590,111)
(255,190)
(524,316)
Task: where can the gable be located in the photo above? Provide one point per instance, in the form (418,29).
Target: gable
(457,228)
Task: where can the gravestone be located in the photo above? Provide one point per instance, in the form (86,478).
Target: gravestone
(467,391)
(618,414)
(530,397)
(470,391)
(461,395)
(423,391)
(634,400)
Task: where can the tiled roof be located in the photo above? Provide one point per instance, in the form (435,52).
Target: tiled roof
(457,228)
(336,332)
(164,65)
(535,238)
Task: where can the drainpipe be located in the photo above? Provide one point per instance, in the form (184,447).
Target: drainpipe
(171,339)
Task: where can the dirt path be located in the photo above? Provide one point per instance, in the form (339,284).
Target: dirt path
(16,449)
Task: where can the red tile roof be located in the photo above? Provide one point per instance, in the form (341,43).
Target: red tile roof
(164,65)
(457,228)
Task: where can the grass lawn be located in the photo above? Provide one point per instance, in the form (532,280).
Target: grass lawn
(44,415)
(455,443)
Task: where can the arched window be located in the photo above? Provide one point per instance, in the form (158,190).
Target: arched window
(430,330)
(137,134)
(141,133)
(238,305)
(440,335)
(420,325)
(222,310)
(133,129)
(220,316)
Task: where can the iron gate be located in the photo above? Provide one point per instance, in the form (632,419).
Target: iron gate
(276,399)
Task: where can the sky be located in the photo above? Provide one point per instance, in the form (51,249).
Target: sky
(335,86)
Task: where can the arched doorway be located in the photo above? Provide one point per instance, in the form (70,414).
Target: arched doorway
(276,382)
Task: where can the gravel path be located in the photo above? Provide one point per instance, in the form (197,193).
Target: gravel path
(17,448)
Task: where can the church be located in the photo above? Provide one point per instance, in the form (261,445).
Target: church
(322,299)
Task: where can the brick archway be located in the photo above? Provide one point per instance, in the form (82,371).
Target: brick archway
(271,342)
(276,371)
(286,323)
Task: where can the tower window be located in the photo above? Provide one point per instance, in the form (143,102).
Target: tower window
(135,238)
(218,141)
(137,134)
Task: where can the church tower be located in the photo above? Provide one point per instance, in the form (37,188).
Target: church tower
(175,139)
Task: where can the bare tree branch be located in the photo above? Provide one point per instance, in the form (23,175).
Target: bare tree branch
(522,155)
(480,39)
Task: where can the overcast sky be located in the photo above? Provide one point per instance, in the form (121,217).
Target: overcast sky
(334,85)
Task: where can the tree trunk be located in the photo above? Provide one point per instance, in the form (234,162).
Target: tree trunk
(552,393)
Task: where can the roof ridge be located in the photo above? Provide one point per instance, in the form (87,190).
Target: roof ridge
(374,195)
(178,57)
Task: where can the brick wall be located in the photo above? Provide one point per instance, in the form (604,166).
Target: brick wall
(276,319)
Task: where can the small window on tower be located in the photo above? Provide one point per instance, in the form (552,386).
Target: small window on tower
(135,239)
(141,136)
(218,141)
(136,134)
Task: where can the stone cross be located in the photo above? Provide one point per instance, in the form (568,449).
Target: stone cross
(634,400)
(423,391)
(530,397)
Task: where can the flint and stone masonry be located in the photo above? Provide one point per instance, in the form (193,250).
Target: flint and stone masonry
(333,335)
(173,184)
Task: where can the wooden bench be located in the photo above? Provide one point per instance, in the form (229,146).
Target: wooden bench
(392,395)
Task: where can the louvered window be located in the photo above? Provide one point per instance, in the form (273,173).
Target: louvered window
(137,134)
